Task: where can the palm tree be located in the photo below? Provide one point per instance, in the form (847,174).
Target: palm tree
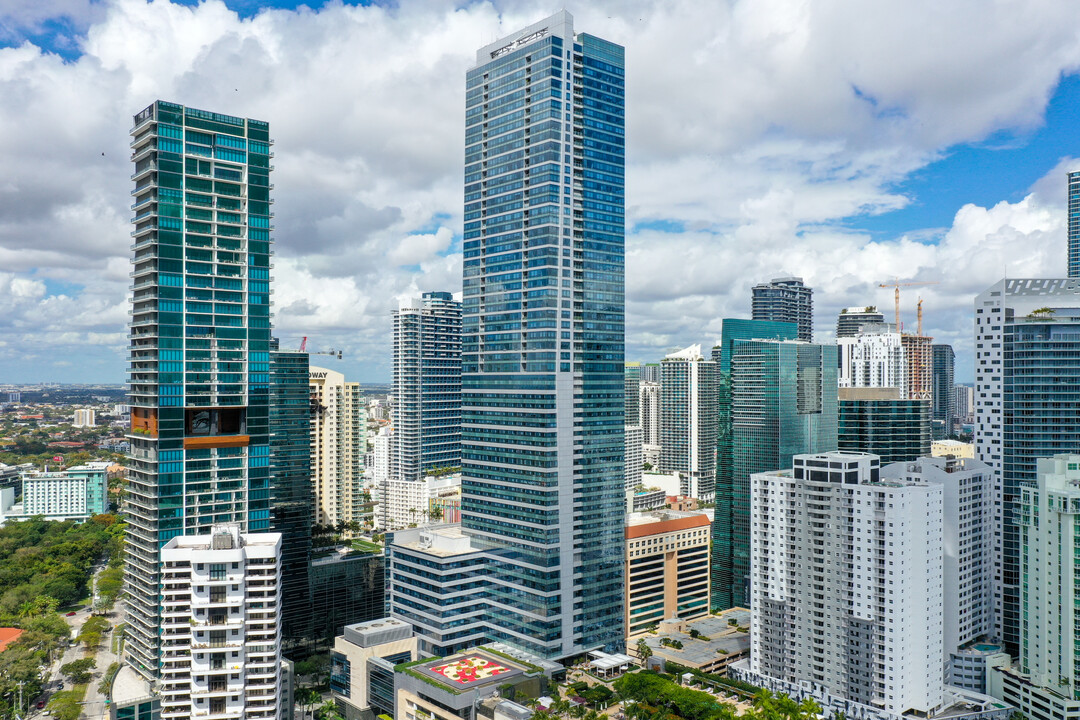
(644,651)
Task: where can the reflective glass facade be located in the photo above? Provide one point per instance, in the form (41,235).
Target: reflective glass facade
(777,399)
(942,382)
(345,589)
(200,340)
(895,430)
(293,504)
(542,335)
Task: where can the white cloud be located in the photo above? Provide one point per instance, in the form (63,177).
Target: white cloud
(758,126)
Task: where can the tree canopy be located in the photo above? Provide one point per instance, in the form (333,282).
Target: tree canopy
(656,697)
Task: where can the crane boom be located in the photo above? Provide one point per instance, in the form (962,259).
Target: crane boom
(897,285)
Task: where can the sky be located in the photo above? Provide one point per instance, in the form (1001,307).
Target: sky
(847,143)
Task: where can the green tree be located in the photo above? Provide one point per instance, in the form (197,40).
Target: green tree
(64,705)
(78,671)
(644,651)
(328,711)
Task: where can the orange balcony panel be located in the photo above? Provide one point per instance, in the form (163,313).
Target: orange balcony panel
(144,421)
(217,441)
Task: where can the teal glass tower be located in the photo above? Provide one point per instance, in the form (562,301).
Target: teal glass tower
(777,399)
(199,345)
(542,336)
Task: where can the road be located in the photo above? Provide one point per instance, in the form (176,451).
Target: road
(94,706)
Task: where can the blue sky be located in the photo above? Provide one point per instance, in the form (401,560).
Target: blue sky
(1003,166)
(765,138)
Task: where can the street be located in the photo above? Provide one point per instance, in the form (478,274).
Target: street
(94,703)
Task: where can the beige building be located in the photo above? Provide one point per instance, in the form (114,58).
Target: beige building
(667,567)
(338,444)
(941,448)
(362,666)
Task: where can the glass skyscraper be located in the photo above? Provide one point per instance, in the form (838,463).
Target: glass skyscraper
(427,386)
(879,421)
(777,399)
(942,379)
(542,335)
(292,499)
(200,345)
(1027,406)
(785,299)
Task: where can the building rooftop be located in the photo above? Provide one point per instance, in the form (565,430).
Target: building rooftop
(8,636)
(377,632)
(469,669)
(129,685)
(441,540)
(655,522)
(223,537)
(723,638)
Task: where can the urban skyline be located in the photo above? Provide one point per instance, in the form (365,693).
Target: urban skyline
(848,229)
(881,582)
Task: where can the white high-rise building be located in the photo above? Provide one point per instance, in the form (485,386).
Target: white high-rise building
(688,419)
(967,570)
(649,412)
(847,590)
(634,458)
(338,445)
(965,402)
(221,635)
(84,417)
(381,448)
(873,357)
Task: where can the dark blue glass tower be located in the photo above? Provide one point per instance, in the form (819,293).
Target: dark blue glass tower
(542,335)
(293,502)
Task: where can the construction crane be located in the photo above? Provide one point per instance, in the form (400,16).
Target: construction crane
(331,352)
(897,285)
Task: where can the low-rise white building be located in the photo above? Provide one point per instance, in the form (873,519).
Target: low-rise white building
(221,632)
(408,502)
(76,493)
